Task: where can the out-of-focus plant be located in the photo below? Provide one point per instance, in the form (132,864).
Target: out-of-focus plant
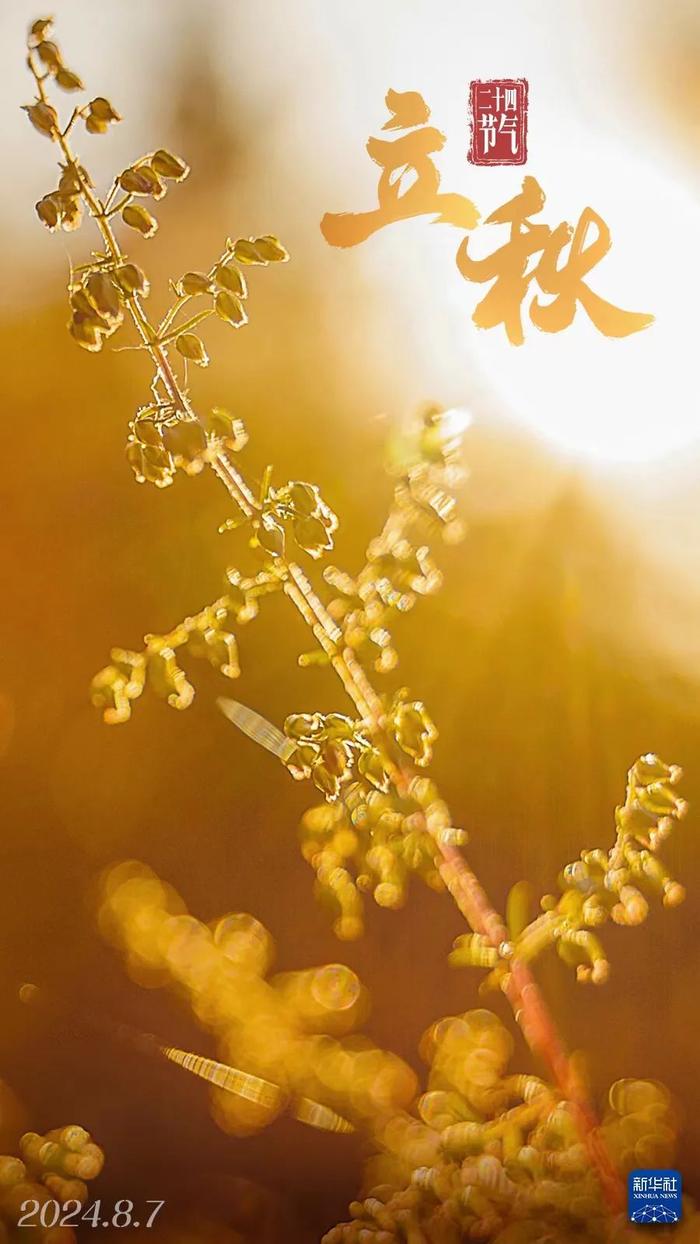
(52,1168)
(286,1032)
(492,1155)
(382,818)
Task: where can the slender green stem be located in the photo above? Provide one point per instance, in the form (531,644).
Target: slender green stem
(188,325)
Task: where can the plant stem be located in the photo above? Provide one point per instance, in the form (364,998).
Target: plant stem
(528,1004)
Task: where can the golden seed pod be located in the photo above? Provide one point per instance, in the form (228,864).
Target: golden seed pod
(47,209)
(49,55)
(270,536)
(139,218)
(69,181)
(93,125)
(168,165)
(193,283)
(305,498)
(245,251)
(227,276)
(191,347)
(82,306)
(230,309)
(39,30)
(220,423)
(147,433)
(86,333)
(186,441)
(142,179)
(71,211)
(312,535)
(149,464)
(132,280)
(271,249)
(371,766)
(68,80)
(103,110)
(43,117)
(103,295)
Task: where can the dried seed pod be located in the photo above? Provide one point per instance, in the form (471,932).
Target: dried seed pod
(81,305)
(43,117)
(39,30)
(230,309)
(48,211)
(168,165)
(68,80)
(131,280)
(193,283)
(149,464)
(229,277)
(147,432)
(94,125)
(69,181)
(270,536)
(326,781)
(142,179)
(226,428)
(86,333)
(186,441)
(245,251)
(312,535)
(103,110)
(191,347)
(71,211)
(305,498)
(271,249)
(304,726)
(104,296)
(49,55)
(371,766)
(139,218)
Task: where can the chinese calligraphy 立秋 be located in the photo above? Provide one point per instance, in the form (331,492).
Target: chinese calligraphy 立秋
(409,186)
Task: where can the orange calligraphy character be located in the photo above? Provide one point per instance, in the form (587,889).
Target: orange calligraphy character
(409,184)
(507,267)
(568,286)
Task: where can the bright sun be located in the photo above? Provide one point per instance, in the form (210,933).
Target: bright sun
(628,400)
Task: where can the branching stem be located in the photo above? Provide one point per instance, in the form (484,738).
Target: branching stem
(528,1004)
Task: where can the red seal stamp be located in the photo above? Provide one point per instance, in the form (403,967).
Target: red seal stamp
(498,115)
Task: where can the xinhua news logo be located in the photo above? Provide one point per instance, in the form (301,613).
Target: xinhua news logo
(654,1196)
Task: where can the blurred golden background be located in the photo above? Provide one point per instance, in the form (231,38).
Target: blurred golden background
(563,644)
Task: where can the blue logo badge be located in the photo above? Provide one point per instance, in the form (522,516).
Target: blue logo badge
(654,1196)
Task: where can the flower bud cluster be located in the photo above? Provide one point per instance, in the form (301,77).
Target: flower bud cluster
(397,570)
(298,510)
(204,636)
(496,1156)
(161,442)
(370,841)
(53,1167)
(599,886)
